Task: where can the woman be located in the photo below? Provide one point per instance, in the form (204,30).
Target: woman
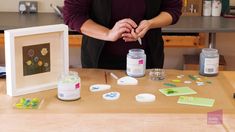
(111,27)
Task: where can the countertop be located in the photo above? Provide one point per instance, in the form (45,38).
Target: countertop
(91,112)
(186,24)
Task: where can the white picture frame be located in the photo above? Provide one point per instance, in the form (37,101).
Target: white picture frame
(35,57)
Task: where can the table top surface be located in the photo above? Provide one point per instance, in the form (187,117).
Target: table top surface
(186,24)
(221,89)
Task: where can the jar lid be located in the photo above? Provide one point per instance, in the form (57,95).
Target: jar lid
(136,51)
(209,50)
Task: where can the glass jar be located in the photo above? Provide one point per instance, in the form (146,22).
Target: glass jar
(209,62)
(157,74)
(136,63)
(69,86)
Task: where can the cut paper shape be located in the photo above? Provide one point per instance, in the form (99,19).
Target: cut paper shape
(145,97)
(196,101)
(111,96)
(99,87)
(187,82)
(127,81)
(176,91)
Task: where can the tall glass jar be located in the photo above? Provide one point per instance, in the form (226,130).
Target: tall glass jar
(209,62)
(69,86)
(136,63)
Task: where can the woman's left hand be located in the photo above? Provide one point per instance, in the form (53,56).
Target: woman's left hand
(140,31)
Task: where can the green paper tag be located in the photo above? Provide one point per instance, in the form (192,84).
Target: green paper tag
(196,101)
(176,91)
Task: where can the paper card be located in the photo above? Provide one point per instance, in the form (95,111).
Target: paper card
(196,101)
(176,91)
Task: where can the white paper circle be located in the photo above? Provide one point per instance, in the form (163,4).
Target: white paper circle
(111,96)
(145,97)
(99,87)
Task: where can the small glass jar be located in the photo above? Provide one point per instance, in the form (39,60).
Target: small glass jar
(69,86)
(136,63)
(157,74)
(209,62)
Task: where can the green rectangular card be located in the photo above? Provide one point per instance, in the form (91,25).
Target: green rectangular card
(176,91)
(196,101)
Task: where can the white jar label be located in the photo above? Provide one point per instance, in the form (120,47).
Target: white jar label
(69,91)
(135,66)
(211,65)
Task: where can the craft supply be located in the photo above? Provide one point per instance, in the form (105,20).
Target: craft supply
(99,87)
(209,82)
(180,76)
(176,81)
(192,77)
(187,82)
(207,7)
(200,83)
(111,96)
(113,75)
(169,84)
(136,63)
(157,74)
(127,81)
(209,62)
(196,101)
(176,91)
(27,103)
(140,41)
(145,97)
(69,86)
(105,77)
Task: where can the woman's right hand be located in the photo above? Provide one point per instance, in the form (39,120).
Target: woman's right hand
(122,26)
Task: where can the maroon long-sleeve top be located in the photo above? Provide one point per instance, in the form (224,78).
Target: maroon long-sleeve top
(76,12)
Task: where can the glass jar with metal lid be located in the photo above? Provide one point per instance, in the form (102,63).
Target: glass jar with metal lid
(136,63)
(209,62)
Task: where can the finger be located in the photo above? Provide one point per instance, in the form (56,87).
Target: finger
(129,39)
(127,25)
(129,21)
(134,34)
(127,35)
(123,30)
(142,33)
(139,29)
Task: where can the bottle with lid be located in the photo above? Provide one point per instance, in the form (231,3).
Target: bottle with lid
(69,86)
(136,63)
(216,8)
(209,62)
(207,7)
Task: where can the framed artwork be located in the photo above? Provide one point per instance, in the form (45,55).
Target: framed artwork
(35,58)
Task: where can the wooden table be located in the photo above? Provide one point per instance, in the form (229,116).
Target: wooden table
(92,113)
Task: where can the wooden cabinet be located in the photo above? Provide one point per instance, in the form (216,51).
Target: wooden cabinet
(175,40)
(1,39)
(184,40)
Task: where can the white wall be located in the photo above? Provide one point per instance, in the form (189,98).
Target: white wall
(43,5)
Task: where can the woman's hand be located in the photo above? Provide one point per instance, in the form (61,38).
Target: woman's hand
(140,31)
(121,27)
